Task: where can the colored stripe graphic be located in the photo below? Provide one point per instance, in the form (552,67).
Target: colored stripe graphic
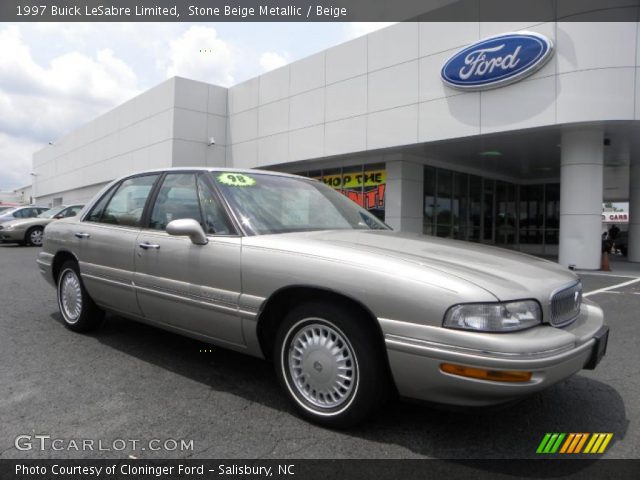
(573,443)
(607,439)
(583,439)
(544,441)
(556,445)
(567,443)
(598,443)
(550,443)
(591,443)
(547,448)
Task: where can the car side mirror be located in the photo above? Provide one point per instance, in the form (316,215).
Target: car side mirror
(58,217)
(188,227)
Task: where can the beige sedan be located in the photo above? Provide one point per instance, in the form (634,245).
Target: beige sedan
(30,231)
(286,268)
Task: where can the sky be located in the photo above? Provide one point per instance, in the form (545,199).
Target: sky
(55,77)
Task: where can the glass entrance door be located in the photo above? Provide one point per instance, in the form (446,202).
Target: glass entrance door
(488,211)
(505,214)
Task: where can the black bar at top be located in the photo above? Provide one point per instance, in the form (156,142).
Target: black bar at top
(319,10)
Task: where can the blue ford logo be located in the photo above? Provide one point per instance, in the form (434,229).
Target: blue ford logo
(497,61)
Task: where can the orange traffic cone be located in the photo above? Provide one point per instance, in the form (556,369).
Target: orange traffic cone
(604,263)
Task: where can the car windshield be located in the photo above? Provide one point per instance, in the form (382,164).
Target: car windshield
(274,204)
(9,211)
(51,212)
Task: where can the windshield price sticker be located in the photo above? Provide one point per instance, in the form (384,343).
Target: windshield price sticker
(236,179)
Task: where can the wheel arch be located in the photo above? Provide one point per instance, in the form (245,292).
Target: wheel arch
(281,301)
(35,226)
(30,229)
(58,260)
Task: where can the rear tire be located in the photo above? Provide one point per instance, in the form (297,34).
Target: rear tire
(331,364)
(34,236)
(78,310)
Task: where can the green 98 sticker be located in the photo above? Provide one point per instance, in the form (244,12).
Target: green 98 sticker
(236,179)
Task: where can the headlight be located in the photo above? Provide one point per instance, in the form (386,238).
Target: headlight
(9,227)
(494,317)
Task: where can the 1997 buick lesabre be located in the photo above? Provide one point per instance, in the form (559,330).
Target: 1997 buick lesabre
(285,268)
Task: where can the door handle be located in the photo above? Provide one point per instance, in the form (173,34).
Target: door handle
(82,235)
(147,246)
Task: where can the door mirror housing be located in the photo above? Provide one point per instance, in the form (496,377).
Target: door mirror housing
(188,227)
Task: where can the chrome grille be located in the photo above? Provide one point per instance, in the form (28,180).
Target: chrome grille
(565,304)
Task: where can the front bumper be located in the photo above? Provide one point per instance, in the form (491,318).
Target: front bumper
(12,235)
(45,266)
(551,354)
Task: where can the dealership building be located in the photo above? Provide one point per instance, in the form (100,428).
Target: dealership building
(507,134)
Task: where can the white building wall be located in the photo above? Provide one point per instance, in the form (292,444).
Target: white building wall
(378,91)
(384,90)
(169,125)
(24,194)
(10,197)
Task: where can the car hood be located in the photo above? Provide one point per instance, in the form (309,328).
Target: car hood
(504,273)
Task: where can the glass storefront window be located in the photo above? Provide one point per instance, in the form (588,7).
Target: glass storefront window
(315,174)
(488,210)
(351,184)
(531,214)
(469,207)
(364,184)
(374,186)
(505,213)
(460,208)
(444,185)
(475,208)
(429,200)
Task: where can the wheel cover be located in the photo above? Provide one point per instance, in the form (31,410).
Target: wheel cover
(322,366)
(35,237)
(70,296)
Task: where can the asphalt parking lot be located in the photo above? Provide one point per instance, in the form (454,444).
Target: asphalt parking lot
(131,381)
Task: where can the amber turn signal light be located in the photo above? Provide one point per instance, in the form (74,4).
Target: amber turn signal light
(482,374)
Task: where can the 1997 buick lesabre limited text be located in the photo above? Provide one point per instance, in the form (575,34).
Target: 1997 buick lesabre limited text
(285,268)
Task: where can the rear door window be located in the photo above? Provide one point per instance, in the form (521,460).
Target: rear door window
(126,205)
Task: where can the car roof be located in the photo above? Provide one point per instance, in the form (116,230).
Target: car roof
(215,169)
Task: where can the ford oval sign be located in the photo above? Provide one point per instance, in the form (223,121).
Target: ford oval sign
(497,61)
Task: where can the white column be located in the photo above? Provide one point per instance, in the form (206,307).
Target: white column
(634,208)
(404,196)
(581,198)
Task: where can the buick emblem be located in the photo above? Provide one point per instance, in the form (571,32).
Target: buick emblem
(576,300)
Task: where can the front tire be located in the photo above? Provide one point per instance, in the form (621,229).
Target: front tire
(330,363)
(78,310)
(34,236)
